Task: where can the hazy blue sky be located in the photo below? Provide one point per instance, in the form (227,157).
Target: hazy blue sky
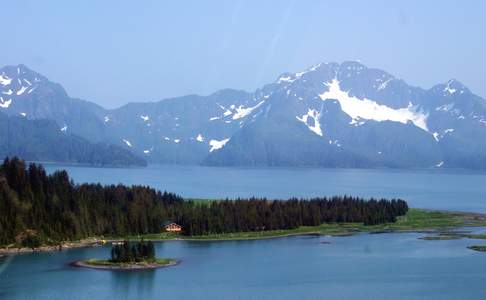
(114,52)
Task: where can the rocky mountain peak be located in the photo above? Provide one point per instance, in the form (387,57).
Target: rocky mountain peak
(328,114)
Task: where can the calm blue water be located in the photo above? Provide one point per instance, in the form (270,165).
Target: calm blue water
(439,189)
(384,266)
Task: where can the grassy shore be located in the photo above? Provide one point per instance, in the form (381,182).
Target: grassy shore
(417,220)
(439,223)
(109,265)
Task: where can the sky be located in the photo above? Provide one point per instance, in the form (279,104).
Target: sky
(115,52)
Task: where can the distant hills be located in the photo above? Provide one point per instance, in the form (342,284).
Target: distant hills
(42,140)
(329,115)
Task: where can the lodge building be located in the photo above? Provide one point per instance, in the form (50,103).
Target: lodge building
(172,227)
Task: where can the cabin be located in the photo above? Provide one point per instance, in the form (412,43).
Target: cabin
(171,227)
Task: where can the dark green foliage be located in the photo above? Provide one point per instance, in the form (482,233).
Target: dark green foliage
(133,252)
(57,209)
(260,214)
(32,241)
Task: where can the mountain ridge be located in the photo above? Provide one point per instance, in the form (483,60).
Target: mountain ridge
(43,140)
(331,115)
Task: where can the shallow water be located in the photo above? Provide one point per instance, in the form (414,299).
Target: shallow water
(376,266)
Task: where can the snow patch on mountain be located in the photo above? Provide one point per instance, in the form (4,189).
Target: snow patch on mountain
(384,84)
(127,142)
(449,90)
(445,107)
(21,91)
(449,130)
(5,103)
(452,87)
(4,80)
(242,112)
(285,78)
(357,123)
(299,74)
(215,144)
(370,110)
(335,142)
(314,125)
(436,136)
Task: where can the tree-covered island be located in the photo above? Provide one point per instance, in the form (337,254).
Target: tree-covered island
(129,256)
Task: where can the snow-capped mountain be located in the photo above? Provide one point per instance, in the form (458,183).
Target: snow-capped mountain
(360,117)
(26,93)
(336,115)
(43,140)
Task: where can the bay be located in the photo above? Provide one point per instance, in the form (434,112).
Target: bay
(364,266)
(429,188)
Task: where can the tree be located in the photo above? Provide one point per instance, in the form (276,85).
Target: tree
(58,210)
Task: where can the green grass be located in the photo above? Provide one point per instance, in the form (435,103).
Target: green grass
(149,236)
(414,220)
(476,236)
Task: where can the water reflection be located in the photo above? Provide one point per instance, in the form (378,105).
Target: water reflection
(363,266)
(5,262)
(132,284)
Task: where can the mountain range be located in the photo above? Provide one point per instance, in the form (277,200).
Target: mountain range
(329,115)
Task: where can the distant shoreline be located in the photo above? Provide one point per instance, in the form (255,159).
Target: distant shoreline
(86,165)
(90,242)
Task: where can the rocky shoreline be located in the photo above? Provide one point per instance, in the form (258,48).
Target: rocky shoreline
(423,223)
(64,246)
(124,267)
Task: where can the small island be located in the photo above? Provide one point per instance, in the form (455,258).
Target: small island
(478,248)
(129,256)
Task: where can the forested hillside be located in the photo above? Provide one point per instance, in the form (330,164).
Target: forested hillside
(43,140)
(46,208)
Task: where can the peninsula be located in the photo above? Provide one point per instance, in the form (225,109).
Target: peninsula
(79,215)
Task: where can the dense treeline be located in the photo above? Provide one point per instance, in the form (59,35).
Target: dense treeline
(54,209)
(133,252)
